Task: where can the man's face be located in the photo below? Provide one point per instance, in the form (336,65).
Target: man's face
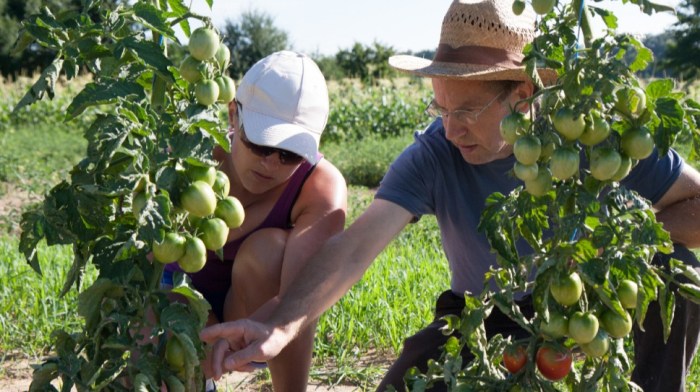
(477,137)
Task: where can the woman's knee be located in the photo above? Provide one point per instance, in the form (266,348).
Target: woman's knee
(260,256)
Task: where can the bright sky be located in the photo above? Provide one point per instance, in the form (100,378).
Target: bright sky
(325,26)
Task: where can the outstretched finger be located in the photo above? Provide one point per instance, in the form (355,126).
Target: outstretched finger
(219,350)
(230,329)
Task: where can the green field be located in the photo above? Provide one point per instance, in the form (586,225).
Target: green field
(366,327)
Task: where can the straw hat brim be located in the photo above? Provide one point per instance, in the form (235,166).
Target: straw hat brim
(437,69)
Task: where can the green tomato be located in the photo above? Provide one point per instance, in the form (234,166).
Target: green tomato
(527,149)
(518,7)
(564,163)
(624,169)
(231,211)
(202,173)
(569,124)
(170,249)
(195,256)
(631,101)
(213,232)
(199,199)
(525,172)
(627,292)
(512,126)
(204,42)
(206,92)
(597,347)
(617,326)
(190,69)
(597,129)
(583,327)
(557,327)
(222,185)
(637,143)
(540,185)
(223,56)
(175,354)
(543,6)
(605,161)
(227,89)
(567,289)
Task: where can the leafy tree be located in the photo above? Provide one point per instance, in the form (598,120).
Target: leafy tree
(366,63)
(252,38)
(683,55)
(658,44)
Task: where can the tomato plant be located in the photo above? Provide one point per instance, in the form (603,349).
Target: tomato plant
(125,206)
(566,240)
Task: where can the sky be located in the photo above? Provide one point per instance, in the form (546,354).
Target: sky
(327,26)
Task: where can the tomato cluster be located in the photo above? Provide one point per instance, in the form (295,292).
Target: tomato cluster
(543,157)
(205,68)
(210,212)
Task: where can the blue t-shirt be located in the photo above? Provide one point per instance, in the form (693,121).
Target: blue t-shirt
(431,177)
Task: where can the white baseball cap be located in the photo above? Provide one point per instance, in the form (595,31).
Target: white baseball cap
(284,101)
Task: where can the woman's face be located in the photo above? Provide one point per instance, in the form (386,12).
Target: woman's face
(258,174)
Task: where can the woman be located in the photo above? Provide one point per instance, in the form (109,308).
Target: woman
(293,199)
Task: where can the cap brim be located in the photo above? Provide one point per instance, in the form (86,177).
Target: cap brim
(273,132)
(436,69)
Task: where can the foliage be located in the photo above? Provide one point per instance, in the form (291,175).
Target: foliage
(683,54)
(366,63)
(585,225)
(251,39)
(151,129)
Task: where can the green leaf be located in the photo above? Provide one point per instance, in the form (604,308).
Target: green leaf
(196,301)
(671,116)
(154,219)
(178,7)
(154,18)
(152,54)
(667,304)
(659,88)
(44,84)
(690,291)
(90,300)
(103,92)
(77,270)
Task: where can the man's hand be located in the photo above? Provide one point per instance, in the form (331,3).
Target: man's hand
(237,343)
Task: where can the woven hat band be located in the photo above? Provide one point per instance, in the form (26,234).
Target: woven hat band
(481,55)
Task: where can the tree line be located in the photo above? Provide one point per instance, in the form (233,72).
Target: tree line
(253,35)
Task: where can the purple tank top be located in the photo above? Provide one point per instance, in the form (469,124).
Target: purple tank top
(214,280)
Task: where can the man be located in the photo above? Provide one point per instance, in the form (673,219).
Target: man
(451,168)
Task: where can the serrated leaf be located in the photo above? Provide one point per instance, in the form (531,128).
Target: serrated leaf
(44,84)
(671,115)
(667,304)
(152,54)
(178,7)
(154,219)
(154,18)
(103,92)
(659,88)
(33,231)
(90,300)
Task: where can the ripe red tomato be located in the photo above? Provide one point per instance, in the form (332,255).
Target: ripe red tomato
(583,327)
(199,199)
(527,149)
(515,357)
(206,91)
(554,362)
(569,124)
(564,163)
(567,289)
(170,249)
(204,42)
(637,143)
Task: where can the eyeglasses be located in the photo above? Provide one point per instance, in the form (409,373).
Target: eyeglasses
(463,116)
(285,157)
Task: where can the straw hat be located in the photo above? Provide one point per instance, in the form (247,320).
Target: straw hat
(479,40)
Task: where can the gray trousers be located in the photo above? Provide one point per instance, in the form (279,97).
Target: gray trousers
(659,366)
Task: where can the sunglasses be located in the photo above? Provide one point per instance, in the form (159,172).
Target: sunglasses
(285,157)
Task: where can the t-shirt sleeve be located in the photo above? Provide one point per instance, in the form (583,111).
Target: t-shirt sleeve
(653,176)
(409,180)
